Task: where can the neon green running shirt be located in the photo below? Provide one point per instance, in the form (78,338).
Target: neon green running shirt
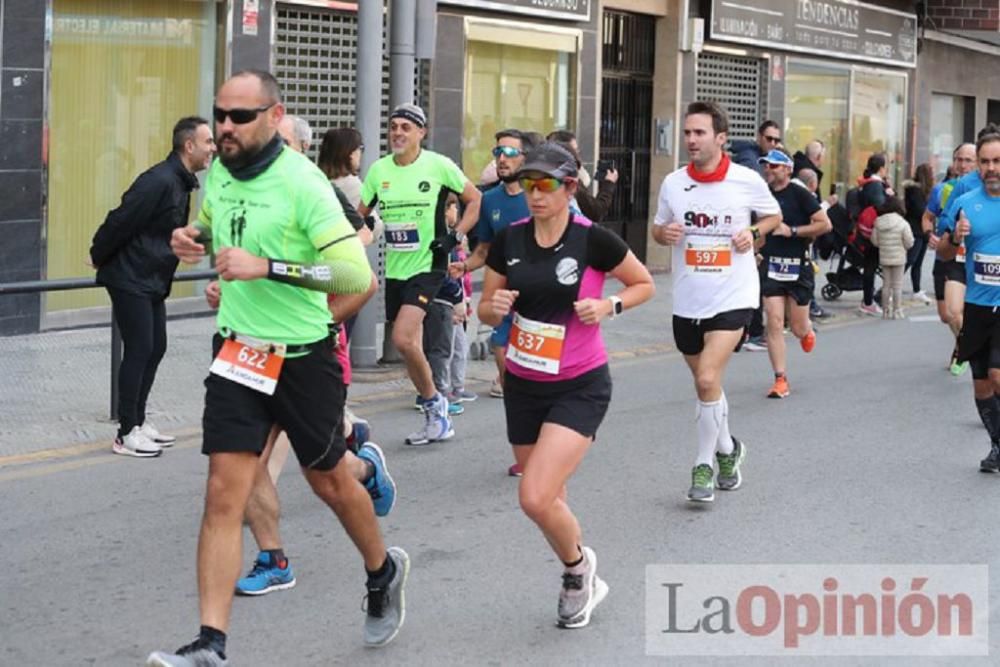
(288,212)
(411,202)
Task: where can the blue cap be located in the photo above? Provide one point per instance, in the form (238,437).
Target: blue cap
(774,156)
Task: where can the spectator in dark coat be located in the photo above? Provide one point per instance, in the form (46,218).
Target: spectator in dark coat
(810,159)
(131,251)
(747,153)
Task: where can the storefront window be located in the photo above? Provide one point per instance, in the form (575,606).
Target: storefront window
(515,78)
(122,73)
(816,108)
(855,112)
(948,113)
(878,121)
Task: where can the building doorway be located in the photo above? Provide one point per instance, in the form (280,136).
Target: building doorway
(627,120)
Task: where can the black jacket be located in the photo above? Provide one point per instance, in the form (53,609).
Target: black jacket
(802,162)
(746,153)
(131,249)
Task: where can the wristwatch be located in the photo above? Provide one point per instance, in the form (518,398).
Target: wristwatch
(754,232)
(617,307)
(795,232)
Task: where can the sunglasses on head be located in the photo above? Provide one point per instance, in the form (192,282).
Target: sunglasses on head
(773,140)
(547,184)
(506,151)
(238,116)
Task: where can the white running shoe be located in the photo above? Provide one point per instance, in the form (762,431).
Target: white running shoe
(153,434)
(922,297)
(136,444)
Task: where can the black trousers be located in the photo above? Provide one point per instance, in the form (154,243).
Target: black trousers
(868,269)
(915,260)
(142,321)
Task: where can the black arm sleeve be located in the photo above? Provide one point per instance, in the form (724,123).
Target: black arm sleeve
(352,214)
(495,259)
(605,249)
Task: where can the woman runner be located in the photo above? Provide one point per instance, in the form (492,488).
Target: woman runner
(548,270)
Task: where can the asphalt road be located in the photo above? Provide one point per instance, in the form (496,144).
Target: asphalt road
(872,459)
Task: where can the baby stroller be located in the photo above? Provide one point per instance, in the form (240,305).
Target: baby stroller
(847,253)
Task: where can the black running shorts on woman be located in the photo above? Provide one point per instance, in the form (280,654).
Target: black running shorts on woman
(308,404)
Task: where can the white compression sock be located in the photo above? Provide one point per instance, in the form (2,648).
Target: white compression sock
(708,420)
(725,442)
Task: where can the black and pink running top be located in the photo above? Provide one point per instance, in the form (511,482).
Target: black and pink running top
(549,281)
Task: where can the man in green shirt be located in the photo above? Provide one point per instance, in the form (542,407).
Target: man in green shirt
(410,188)
(281,243)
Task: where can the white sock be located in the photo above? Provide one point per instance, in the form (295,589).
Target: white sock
(708,421)
(725,443)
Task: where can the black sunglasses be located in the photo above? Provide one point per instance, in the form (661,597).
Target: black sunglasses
(238,116)
(773,140)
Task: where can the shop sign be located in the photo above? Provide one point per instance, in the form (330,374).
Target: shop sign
(838,28)
(573,10)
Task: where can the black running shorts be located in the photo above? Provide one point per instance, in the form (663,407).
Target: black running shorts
(689,334)
(954,270)
(308,404)
(939,272)
(979,342)
(800,290)
(418,291)
(578,404)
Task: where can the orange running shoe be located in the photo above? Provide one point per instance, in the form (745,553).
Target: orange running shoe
(780,388)
(808,342)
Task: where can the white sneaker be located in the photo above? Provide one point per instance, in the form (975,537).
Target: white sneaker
(151,433)
(136,444)
(496,389)
(922,297)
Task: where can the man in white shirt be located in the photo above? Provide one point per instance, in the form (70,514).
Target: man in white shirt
(705,211)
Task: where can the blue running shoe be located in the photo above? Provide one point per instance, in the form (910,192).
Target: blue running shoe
(265,577)
(455,409)
(361,433)
(380,487)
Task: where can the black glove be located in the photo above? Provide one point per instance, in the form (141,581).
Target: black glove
(445,244)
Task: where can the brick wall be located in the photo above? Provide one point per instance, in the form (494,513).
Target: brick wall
(964,14)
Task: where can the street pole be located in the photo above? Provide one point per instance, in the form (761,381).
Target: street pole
(368,113)
(402,67)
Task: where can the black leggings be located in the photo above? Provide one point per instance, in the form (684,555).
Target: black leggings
(142,321)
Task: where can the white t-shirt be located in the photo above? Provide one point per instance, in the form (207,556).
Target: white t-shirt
(710,277)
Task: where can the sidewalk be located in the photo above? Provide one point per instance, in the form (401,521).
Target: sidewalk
(55,387)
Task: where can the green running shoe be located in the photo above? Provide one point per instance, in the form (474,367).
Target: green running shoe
(729,467)
(702,487)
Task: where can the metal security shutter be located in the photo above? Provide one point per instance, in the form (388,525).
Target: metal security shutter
(315,62)
(739,85)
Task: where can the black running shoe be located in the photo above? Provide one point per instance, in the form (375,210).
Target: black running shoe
(992,461)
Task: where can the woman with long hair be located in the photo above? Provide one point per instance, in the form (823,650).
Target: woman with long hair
(915,195)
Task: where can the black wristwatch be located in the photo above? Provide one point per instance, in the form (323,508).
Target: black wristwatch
(795,231)
(617,307)
(953,240)
(755,232)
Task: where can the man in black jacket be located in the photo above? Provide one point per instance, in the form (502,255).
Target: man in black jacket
(131,251)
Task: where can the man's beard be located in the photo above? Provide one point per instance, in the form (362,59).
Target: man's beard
(243,156)
(509,178)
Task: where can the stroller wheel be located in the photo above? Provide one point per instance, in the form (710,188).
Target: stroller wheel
(474,351)
(831,292)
